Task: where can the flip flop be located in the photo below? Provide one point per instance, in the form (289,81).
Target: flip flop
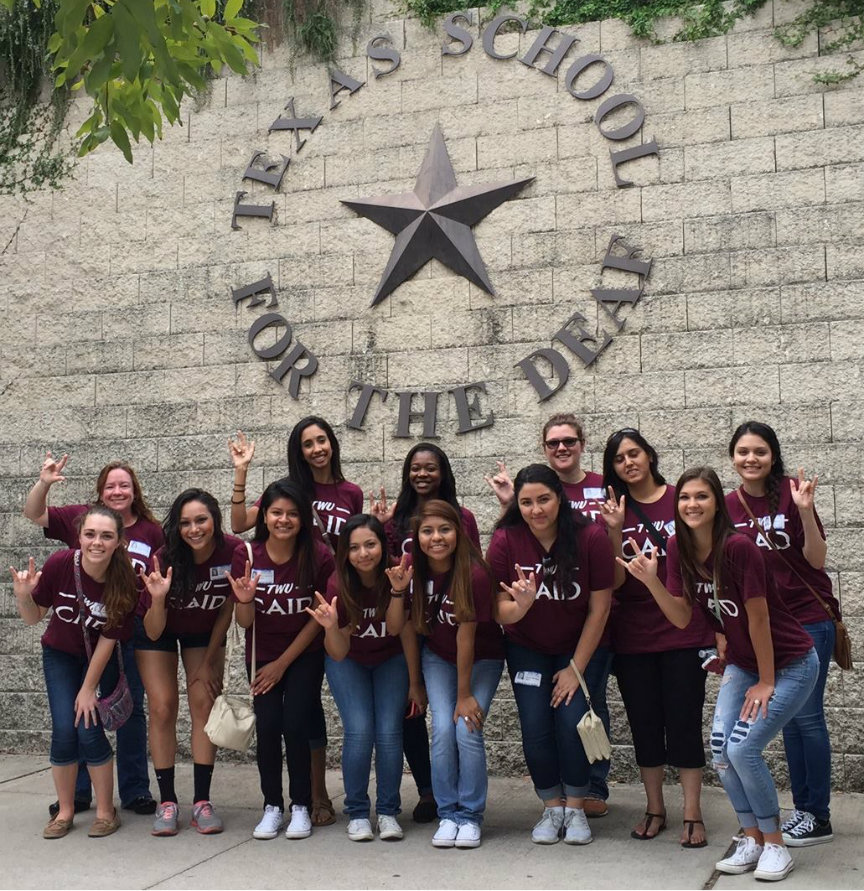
(691,844)
(643,836)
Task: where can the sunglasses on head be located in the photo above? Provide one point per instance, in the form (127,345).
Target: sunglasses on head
(568,442)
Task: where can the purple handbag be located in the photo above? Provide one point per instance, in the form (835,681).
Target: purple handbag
(115,708)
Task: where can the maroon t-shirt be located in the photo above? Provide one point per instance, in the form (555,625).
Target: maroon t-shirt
(335,503)
(399,544)
(280,605)
(369,644)
(196,611)
(554,623)
(587,496)
(638,623)
(744,577)
(56,588)
(143,538)
(787,533)
(443,626)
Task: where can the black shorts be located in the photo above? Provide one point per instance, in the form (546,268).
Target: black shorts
(167,642)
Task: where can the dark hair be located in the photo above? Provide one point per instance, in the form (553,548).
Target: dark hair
(565,551)
(562,418)
(777,471)
(298,467)
(408,500)
(459,583)
(177,554)
(692,569)
(350,585)
(610,475)
(120,594)
(140,508)
(305,547)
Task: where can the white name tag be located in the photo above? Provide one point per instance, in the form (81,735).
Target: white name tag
(265,576)
(594,494)
(218,572)
(528,678)
(139,547)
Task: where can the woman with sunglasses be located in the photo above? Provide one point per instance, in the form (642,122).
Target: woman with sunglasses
(658,665)
(426,475)
(779,514)
(315,465)
(563,442)
(556,572)
(771,663)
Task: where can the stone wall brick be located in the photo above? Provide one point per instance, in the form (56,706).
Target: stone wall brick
(723,87)
(768,117)
(738,157)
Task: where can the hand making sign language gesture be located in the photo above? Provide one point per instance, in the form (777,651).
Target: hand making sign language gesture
(803,490)
(324,613)
(245,586)
(500,483)
(379,507)
(613,510)
(400,576)
(523,591)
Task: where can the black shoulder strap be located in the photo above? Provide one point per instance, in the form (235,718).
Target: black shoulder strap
(654,534)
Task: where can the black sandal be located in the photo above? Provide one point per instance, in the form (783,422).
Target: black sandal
(691,844)
(643,836)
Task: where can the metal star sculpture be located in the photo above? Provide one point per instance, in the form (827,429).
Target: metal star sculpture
(434,221)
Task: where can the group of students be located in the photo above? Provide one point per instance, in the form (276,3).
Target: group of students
(585,573)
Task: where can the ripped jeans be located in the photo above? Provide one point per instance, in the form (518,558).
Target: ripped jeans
(736,746)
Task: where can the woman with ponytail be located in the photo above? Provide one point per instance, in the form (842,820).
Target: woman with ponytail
(100,574)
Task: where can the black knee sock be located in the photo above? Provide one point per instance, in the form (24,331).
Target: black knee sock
(165,778)
(203,774)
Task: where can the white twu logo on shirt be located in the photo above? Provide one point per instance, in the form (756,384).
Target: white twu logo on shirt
(70,612)
(332,521)
(706,590)
(647,545)
(543,590)
(372,629)
(778,534)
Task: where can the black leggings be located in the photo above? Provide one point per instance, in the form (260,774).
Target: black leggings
(287,712)
(663,694)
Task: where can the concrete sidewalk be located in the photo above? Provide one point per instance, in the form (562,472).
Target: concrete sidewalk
(134,859)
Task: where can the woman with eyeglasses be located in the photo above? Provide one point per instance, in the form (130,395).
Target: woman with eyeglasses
(556,572)
(658,665)
(563,442)
(779,514)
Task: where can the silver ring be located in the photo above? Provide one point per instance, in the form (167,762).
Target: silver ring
(757,702)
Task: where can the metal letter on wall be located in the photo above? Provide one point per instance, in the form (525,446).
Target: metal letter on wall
(578,67)
(625,130)
(451,29)
(491,32)
(272,172)
(289,366)
(250,210)
(630,154)
(576,343)
(262,286)
(381,52)
(429,414)
(467,411)
(559,366)
(557,54)
(366,392)
(341,81)
(294,123)
(265,321)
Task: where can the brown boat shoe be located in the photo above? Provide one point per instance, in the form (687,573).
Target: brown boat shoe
(102,827)
(57,828)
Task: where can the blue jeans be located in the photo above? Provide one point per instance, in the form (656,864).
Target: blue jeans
(737,745)
(553,749)
(64,675)
(596,679)
(805,737)
(459,778)
(371,701)
(133,780)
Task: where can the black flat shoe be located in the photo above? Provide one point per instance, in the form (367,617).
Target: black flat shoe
(426,810)
(81,805)
(690,843)
(142,805)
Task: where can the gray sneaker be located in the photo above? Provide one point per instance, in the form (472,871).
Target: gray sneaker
(205,819)
(576,829)
(165,822)
(547,830)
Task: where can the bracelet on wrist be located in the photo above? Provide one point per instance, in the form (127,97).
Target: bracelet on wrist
(239,488)
(241,501)
(397,594)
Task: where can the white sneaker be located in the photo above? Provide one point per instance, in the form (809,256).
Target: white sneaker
(743,859)
(360,829)
(468,836)
(389,828)
(576,829)
(775,863)
(547,830)
(270,823)
(445,837)
(793,820)
(301,823)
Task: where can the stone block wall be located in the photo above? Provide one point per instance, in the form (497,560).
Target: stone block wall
(121,338)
